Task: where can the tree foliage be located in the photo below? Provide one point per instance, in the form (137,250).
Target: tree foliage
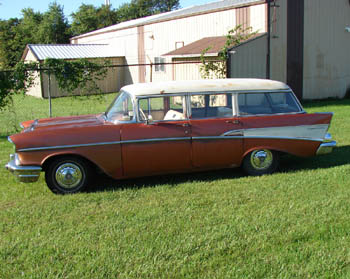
(54,27)
(89,18)
(217,68)
(16,81)
(11,45)
(80,73)
(50,27)
(70,75)
(141,8)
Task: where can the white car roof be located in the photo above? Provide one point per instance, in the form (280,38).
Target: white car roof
(206,85)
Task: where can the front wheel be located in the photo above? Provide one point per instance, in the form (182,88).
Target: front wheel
(260,162)
(68,175)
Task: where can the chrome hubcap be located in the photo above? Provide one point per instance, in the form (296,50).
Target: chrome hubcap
(68,175)
(261,159)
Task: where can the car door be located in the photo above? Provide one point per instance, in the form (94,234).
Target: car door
(216,133)
(159,142)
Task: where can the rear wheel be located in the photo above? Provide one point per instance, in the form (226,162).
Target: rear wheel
(260,162)
(68,175)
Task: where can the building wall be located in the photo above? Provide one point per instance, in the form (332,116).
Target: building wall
(110,84)
(190,71)
(249,60)
(125,43)
(326,49)
(278,56)
(160,38)
(35,90)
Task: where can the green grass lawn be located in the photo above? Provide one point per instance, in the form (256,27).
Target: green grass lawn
(220,224)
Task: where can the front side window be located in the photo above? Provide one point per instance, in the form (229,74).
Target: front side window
(211,106)
(267,103)
(165,108)
(121,109)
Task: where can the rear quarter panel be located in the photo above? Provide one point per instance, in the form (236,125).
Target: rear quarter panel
(297,134)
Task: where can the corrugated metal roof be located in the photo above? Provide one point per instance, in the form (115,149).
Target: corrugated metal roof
(185,12)
(74,51)
(197,47)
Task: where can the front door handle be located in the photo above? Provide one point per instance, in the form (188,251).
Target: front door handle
(236,121)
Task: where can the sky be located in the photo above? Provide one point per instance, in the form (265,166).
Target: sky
(12,8)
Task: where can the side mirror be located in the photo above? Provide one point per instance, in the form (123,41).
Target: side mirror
(126,117)
(149,120)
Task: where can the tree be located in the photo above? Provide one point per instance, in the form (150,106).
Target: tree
(54,27)
(84,20)
(218,68)
(89,18)
(29,26)
(10,42)
(106,16)
(141,8)
(166,5)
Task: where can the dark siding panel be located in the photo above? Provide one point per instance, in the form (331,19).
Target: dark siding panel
(295,46)
(243,17)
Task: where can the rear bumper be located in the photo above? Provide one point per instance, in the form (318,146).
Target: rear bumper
(25,174)
(327,146)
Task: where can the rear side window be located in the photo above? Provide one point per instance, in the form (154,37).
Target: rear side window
(267,103)
(211,106)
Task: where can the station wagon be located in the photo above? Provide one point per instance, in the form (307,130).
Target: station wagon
(172,127)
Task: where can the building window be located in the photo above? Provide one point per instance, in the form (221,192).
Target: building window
(157,61)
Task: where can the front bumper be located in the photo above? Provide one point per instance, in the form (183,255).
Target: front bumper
(327,146)
(25,174)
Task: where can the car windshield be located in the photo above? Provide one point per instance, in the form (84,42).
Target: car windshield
(121,109)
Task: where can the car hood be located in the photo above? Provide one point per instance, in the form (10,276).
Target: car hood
(62,122)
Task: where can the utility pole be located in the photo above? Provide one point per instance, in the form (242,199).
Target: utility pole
(107,2)
(268,56)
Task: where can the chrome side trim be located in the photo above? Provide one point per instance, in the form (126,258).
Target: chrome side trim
(284,138)
(217,137)
(101,144)
(254,137)
(233,133)
(312,132)
(67,146)
(155,140)
(23,173)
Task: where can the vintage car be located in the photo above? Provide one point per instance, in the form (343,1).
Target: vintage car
(172,127)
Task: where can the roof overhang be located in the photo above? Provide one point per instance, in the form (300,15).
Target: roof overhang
(214,45)
(196,10)
(70,51)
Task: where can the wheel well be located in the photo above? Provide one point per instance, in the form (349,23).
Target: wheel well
(48,161)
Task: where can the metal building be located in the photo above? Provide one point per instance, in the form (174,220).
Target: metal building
(153,39)
(94,52)
(309,46)
(304,43)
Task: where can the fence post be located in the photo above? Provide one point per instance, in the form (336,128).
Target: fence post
(49,94)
